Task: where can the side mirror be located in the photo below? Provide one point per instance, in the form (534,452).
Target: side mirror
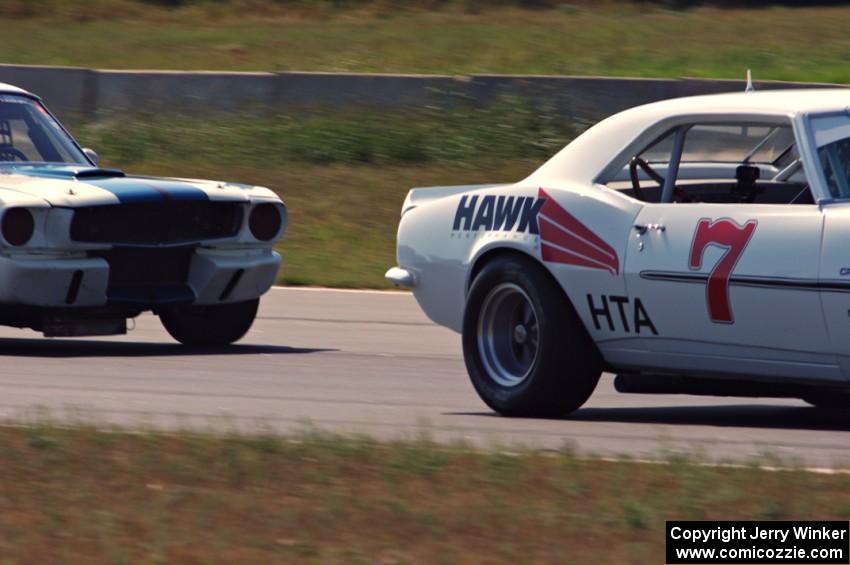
(92,155)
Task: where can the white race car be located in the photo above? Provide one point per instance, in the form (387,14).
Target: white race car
(83,248)
(698,245)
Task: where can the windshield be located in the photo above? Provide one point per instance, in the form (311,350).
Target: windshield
(29,134)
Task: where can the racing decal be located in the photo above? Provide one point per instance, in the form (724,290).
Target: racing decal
(733,238)
(751,281)
(564,239)
(601,311)
(497,213)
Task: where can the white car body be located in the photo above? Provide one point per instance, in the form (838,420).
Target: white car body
(72,276)
(757,290)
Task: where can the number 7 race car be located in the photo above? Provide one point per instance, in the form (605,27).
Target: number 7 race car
(698,245)
(83,248)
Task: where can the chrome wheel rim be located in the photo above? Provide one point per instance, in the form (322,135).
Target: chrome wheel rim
(508,335)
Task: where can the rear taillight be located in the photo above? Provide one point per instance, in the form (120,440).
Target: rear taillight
(264,221)
(17,226)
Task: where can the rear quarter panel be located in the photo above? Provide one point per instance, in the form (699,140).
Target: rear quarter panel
(579,235)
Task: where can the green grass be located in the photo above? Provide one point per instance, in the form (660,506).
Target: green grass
(450,133)
(462,36)
(88,496)
(342,176)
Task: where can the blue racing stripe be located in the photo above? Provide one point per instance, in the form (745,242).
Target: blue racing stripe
(129,189)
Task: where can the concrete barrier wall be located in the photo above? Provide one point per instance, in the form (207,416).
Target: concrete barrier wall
(99,93)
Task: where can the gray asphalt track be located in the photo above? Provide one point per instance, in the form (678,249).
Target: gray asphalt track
(371,362)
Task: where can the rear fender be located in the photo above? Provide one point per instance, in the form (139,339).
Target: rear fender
(582,244)
(439,247)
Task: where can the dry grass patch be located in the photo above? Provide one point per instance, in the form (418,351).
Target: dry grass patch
(91,496)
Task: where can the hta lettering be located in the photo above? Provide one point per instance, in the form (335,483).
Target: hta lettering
(498,213)
(611,308)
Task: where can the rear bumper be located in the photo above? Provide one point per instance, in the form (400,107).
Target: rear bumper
(214,276)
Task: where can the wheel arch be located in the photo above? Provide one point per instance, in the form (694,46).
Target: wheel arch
(493,253)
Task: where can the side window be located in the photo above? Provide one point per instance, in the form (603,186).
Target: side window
(735,144)
(742,163)
(834,161)
(832,137)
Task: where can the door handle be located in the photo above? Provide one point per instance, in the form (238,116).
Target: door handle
(643,228)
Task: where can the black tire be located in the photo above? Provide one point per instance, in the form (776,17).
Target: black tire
(566,364)
(219,324)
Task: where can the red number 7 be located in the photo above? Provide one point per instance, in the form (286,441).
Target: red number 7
(733,238)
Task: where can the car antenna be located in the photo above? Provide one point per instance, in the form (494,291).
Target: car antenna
(749,87)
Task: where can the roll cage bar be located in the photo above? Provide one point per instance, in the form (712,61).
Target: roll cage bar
(668,182)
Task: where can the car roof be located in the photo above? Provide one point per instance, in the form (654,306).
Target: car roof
(584,158)
(793,101)
(12,89)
